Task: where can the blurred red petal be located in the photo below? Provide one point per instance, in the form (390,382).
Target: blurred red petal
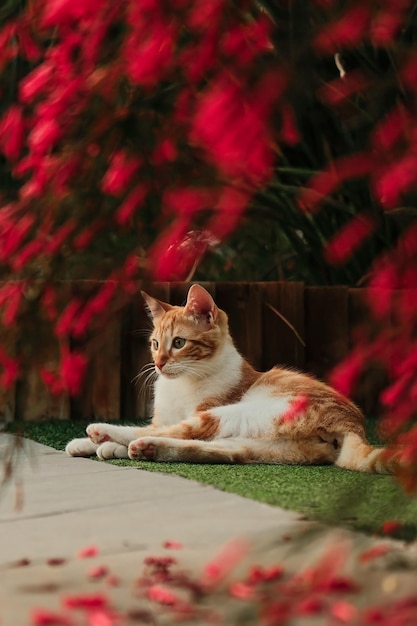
(373,553)
(45,617)
(85,601)
(346,32)
(349,238)
(88,552)
(224,562)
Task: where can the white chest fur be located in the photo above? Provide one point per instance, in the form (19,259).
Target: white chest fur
(177,398)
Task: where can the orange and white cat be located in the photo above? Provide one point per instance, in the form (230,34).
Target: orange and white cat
(211,406)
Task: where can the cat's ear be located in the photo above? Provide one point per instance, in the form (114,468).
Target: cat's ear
(201,305)
(155,308)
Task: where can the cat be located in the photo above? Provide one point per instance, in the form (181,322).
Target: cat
(212,406)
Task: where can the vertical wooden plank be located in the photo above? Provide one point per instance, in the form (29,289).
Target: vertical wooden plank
(7,396)
(327,328)
(271,326)
(36,403)
(178,293)
(374,376)
(253,319)
(283,338)
(100,396)
(105,378)
(232,298)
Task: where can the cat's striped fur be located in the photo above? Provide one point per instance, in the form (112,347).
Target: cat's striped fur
(211,406)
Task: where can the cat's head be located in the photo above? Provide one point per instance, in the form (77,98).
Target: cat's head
(185,339)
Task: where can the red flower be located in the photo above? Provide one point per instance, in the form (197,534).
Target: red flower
(86,601)
(73,369)
(338,90)
(205,12)
(349,238)
(230,207)
(177,253)
(44,617)
(98,571)
(163,595)
(32,249)
(246,41)
(343,611)
(12,132)
(44,135)
(11,297)
(260,575)
(390,527)
(346,32)
(120,172)
(197,59)
(234,131)
(129,206)
(60,12)
(13,231)
(104,617)
(223,563)
(173,545)
(10,368)
(88,552)
(166,151)
(36,82)
(52,381)
(345,375)
(388,22)
(289,131)
(326,182)
(28,47)
(374,553)
(397,179)
(391,129)
(312,605)
(241,590)
(149,51)
(187,200)
(60,236)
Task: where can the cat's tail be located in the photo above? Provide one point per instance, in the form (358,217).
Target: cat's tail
(357,454)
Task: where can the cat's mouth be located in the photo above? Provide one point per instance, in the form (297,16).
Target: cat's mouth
(167,373)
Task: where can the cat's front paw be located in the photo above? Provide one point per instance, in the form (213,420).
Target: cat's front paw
(143,449)
(111,450)
(98,433)
(81,447)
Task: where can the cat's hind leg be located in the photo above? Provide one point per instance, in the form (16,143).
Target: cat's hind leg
(168,449)
(309,451)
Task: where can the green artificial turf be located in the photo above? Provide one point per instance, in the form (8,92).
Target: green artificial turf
(326,493)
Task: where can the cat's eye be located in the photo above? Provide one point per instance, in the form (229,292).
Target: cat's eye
(178,343)
(155,344)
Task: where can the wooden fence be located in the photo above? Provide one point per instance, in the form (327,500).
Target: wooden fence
(315,336)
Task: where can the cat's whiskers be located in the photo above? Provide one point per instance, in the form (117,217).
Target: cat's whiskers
(146,369)
(148,383)
(196,369)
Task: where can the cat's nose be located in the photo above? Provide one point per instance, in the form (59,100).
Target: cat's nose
(160,364)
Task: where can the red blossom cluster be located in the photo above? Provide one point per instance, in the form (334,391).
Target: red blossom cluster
(387,165)
(144,123)
(270,596)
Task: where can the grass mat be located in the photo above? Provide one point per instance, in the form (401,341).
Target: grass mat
(326,493)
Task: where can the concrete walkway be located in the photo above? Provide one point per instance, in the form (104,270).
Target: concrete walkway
(72,503)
